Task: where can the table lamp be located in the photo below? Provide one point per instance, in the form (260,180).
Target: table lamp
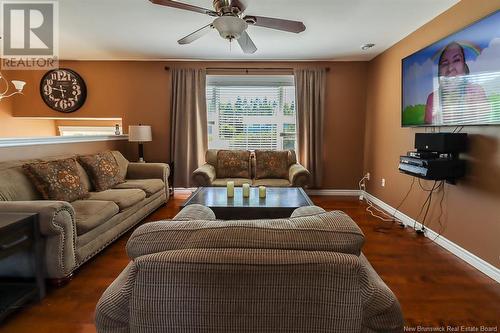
(140,133)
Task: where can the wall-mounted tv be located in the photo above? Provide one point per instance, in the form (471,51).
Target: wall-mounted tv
(455,81)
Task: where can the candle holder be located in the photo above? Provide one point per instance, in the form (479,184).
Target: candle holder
(262,192)
(246,190)
(230,189)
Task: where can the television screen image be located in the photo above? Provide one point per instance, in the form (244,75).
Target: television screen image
(455,81)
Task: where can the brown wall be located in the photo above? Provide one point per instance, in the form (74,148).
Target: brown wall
(472,208)
(139,92)
(40,151)
(15,127)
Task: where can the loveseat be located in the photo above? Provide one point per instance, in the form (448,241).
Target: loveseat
(73,232)
(305,273)
(257,168)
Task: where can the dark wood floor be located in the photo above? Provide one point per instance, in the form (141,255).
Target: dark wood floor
(434,287)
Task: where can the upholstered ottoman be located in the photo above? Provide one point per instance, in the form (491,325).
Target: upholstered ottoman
(305,273)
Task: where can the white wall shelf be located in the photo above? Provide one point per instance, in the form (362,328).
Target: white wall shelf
(50,140)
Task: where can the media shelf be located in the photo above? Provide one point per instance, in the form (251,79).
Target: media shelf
(437,157)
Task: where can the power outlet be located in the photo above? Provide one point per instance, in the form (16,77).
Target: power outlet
(382,182)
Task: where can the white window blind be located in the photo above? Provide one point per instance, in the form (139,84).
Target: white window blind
(251,112)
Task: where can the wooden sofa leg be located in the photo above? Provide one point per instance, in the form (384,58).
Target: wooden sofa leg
(60,281)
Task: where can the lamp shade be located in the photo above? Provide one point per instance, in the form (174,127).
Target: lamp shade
(139,133)
(19,85)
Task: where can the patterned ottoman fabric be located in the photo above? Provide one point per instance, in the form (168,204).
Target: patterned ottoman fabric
(57,180)
(233,164)
(271,164)
(102,169)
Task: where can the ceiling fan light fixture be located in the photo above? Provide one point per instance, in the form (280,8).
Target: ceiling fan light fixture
(230,27)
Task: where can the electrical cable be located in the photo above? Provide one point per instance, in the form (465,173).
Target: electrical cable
(424,204)
(401,223)
(371,205)
(386,217)
(441,226)
(429,203)
(422,229)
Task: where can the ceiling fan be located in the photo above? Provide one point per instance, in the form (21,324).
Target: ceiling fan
(230,22)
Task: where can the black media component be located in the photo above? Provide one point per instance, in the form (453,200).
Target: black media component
(437,157)
(441,142)
(432,169)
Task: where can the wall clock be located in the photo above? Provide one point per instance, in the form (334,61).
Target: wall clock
(63,90)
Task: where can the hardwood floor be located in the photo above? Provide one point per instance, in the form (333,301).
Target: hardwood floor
(433,286)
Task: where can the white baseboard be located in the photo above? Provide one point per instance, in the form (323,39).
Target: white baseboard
(445,243)
(346,193)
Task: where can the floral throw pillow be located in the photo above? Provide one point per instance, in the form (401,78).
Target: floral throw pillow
(271,164)
(233,164)
(57,180)
(102,169)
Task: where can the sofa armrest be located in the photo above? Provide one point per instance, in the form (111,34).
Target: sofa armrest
(307,211)
(112,310)
(381,309)
(195,212)
(298,175)
(204,175)
(57,226)
(150,171)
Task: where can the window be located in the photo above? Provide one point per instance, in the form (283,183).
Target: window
(86,130)
(251,112)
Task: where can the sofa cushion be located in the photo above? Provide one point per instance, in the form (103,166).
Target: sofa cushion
(221,182)
(92,213)
(272,182)
(57,180)
(333,231)
(233,164)
(150,186)
(122,163)
(124,198)
(103,170)
(271,164)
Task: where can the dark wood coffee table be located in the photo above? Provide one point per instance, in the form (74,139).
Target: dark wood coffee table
(279,202)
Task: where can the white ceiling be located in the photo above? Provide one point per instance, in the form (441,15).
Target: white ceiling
(137,29)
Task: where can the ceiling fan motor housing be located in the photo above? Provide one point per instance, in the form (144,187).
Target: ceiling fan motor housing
(226,7)
(230,27)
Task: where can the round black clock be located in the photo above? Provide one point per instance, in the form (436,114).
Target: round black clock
(63,90)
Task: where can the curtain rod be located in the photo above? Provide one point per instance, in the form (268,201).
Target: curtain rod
(249,69)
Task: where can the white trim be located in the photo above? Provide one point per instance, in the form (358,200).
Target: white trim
(346,193)
(50,140)
(445,243)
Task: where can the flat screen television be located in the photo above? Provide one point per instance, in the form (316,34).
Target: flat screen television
(455,81)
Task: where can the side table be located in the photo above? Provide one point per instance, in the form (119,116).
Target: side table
(19,232)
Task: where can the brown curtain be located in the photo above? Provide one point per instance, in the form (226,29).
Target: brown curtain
(189,139)
(310,89)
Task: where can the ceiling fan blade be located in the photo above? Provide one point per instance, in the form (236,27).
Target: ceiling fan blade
(274,23)
(185,6)
(246,43)
(195,35)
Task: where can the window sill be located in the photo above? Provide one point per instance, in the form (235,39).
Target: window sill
(50,140)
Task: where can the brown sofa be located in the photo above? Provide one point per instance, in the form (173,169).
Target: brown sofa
(74,232)
(196,274)
(207,174)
